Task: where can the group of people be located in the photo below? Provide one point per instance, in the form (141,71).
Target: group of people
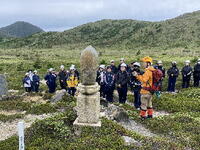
(142,83)
(68,80)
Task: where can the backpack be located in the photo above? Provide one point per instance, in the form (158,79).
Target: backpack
(156,85)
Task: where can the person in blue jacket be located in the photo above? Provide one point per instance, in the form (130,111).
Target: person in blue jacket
(51,80)
(109,82)
(27,82)
(36,81)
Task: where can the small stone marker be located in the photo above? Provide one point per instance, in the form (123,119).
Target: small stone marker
(21,135)
(3,86)
(88,100)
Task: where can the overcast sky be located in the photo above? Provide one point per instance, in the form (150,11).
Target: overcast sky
(59,15)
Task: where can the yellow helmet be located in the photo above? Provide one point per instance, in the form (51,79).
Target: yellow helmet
(147,59)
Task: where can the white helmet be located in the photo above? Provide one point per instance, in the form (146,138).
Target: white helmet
(112,61)
(51,69)
(187,61)
(137,64)
(102,66)
(123,65)
(72,68)
(122,59)
(27,74)
(62,67)
(35,71)
(159,62)
(174,62)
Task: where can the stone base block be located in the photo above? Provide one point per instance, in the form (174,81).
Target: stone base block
(98,124)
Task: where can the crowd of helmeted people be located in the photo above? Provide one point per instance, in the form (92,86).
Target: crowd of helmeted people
(143,83)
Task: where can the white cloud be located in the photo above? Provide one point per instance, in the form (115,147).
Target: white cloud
(52,14)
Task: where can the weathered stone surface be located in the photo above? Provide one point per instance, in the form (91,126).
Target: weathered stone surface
(88,106)
(89,65)
(3,86)
(58,96)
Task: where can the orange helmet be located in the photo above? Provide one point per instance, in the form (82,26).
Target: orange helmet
(147,59)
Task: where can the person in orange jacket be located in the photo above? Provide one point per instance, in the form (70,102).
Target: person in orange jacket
(147,80)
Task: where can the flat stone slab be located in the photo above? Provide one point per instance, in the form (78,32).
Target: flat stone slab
(87,124)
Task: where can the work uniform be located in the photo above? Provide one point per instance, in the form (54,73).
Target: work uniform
(122,79)
(72,82)
(186,76)
(27,83)
(146,97)
(109,81)
(173,73)
(62,75)
(36,83)
(51,82)
(196,75)
(100,81)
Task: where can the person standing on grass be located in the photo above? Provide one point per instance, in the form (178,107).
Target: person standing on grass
(36,82)
(186,74)
(51,80)
(196,74)
(72,81)
(109,81)
(113,67)
(161,68)
(122,80)
(135,85)
(173,74)
(27,82)
(147,81)
(100,80)
(62,75)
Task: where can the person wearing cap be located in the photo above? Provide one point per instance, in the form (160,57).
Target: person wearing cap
(196,74)
(36,82)
(62,75)
(100,79)
(50,78)
(173,74)
(122,80)
(159,66)
(27,82)
(146,79)
(113,67)
(135,85)
(186,74)
(109,81)
(72,81)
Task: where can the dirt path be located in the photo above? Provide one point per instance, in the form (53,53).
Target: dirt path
(8,129)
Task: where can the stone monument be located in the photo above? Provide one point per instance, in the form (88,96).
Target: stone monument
(88,100)
(3,86)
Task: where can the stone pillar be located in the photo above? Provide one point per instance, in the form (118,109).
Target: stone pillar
(88,100)
(3,86)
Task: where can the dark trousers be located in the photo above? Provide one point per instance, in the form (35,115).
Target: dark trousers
(102,91)
(63,85)
(72,91)
(186,82)
(109,94)
(35,88)
(28,89)
(52,88)
(137,98)
(171,84)
(122,94)
(196,81)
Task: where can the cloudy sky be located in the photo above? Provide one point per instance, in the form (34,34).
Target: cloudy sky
(59,15)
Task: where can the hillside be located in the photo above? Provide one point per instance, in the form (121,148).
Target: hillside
(182,31)
(19,29)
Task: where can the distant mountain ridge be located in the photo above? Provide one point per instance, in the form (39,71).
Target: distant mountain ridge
(19,29)
(182,31)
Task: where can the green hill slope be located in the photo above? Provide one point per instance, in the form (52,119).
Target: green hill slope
(19,29)
(183,31)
